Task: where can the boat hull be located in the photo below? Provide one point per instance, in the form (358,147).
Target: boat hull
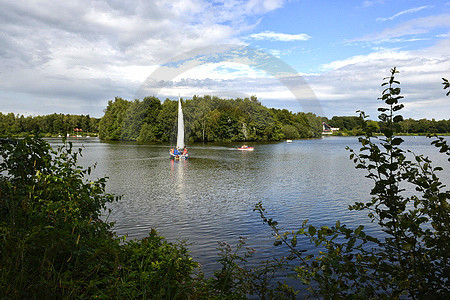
(179,157)
(246,149)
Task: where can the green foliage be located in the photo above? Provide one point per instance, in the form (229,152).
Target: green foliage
(235,280)
(424,126)
(446,85)
(345,122)
(137,115)
(352,125)
(110,126)
(290,132)
(51,125)
(50,225)
(411,257)
(152,268)
(166,122)
(53,243)
(207,119)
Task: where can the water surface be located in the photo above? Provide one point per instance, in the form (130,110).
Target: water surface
(211,196)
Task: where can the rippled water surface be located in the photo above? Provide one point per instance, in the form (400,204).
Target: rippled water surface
(211,196)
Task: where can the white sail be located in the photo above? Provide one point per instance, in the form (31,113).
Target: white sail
(180,133)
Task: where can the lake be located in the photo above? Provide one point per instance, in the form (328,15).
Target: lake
(211,196)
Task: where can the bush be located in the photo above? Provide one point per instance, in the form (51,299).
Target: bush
(53,243)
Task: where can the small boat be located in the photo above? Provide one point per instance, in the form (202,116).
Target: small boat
(245,148)
(180,151)
(288,141)
(177,154)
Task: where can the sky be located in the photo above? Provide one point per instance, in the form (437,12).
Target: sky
(321,56)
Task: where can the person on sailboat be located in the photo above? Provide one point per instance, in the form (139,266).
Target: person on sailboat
(185,151)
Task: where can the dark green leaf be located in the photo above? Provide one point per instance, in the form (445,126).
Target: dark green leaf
(312,230)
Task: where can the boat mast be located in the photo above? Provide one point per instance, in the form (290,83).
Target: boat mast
(180,132)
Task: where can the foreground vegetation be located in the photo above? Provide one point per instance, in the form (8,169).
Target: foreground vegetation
(53,243)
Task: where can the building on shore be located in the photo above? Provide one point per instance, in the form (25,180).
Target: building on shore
(327,129)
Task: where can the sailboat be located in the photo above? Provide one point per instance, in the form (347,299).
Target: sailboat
(180,151)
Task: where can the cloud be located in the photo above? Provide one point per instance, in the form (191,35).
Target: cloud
(358,60)
(369,3)
(404,12)
(355,83)
(72,57)
(73,51)
(282,37)
(252,71)
(416,26)
(343,87)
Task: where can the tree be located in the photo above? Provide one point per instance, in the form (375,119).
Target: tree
(110,126)
(199,117)
(131,124)
(290,132)
(345,122)
(166,121)
(151,107)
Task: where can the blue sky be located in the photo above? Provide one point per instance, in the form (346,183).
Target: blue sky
(328,57)
(337,30)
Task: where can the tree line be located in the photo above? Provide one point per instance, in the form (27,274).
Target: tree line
(207,119)
(352,125)
(212,119)
(55,124)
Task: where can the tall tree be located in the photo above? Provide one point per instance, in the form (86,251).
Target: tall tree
(110,126)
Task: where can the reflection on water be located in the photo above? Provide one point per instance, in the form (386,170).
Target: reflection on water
(210,197)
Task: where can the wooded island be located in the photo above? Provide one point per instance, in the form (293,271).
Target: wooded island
(207,119)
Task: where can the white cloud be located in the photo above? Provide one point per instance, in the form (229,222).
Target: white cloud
(444,35)
(344,87)
(72,56)
(404,12)
(415,26)
(355,83)
(73,52)
(369,3)
(283,37)
(359,60)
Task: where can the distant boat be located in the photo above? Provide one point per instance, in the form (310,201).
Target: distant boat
(180,151)
(288,141)
(245,148)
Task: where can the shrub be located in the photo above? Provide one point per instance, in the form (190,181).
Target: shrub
(53,243)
